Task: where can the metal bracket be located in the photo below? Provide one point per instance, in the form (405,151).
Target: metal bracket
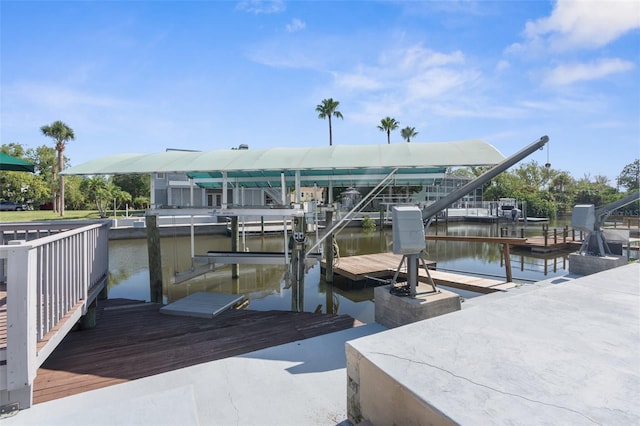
(9,410)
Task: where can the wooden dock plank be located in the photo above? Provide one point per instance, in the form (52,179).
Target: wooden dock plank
(134,342)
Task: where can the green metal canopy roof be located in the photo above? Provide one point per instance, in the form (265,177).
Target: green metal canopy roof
(10,163)
(341,165)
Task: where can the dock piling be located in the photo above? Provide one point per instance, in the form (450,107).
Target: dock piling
(155,258)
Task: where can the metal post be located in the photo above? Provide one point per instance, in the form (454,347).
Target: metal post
(224,190)
(412,274)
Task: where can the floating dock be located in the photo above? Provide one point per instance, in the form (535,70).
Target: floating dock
(384,265)
(202,304)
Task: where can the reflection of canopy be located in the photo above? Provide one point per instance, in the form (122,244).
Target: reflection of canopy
(342,165)
(7,162)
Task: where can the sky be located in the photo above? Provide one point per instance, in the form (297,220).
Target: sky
(144,76)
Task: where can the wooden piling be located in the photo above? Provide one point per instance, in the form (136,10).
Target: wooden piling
(507,262)
(155,259)
(328,249)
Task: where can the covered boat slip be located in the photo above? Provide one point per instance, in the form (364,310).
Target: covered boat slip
(347,165)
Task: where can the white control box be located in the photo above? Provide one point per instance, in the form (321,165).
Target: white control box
(408,230)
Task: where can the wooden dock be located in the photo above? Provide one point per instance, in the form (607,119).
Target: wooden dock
(540,244)
(133,340)
(384,265)
(360,268)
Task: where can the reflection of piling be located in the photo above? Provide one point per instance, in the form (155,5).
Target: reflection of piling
(328,293)
(235,243)
(155,259)
(328,248)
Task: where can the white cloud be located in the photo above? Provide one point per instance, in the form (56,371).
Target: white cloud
(295,25)
(259,7)
(52,96)
(357,80)
(502,65)
(582,24)
(408,69)
(571,73)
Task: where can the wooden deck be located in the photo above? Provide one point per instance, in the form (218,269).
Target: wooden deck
(384,265)
(358,268)
(133,340)
(538,244)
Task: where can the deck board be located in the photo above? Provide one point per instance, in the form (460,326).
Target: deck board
(139,341)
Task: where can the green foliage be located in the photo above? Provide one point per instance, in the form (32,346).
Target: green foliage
(388,124)
(630,176)
(327,109)
(75,198)
(102,192)
(136,185)
(141,202)
(368,224)
(408,132)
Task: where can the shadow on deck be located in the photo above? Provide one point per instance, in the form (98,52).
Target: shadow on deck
(133,340)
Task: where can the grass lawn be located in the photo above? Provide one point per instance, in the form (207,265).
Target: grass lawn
(41,215)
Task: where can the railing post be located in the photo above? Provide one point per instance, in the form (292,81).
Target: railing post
(21,323)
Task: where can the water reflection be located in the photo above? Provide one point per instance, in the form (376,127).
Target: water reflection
(271,287)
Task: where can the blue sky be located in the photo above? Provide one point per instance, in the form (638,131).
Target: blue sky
(140,77)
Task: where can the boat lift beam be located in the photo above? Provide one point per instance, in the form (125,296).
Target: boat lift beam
(431,210)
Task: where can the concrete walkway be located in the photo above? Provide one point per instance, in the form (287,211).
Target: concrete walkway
(562,352)
(300,383)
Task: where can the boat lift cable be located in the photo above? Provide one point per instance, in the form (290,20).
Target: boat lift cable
(339,225)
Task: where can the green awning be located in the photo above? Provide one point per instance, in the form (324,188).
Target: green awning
(10,163)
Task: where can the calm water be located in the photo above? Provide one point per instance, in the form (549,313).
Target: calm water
(267,287)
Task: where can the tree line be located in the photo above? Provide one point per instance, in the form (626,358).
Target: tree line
(547,191)
(41,190)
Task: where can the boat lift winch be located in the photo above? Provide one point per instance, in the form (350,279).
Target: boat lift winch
(586,217)
(429,212)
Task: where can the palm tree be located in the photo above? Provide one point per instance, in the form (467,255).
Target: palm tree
(327,109)
(62,134)
(408,132)
(388,124)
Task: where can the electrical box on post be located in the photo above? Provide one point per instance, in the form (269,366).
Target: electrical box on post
(583,217)
(408,230)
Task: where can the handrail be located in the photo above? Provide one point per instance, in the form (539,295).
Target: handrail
(50,283)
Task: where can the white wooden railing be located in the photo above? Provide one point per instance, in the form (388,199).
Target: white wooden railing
(50,283)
